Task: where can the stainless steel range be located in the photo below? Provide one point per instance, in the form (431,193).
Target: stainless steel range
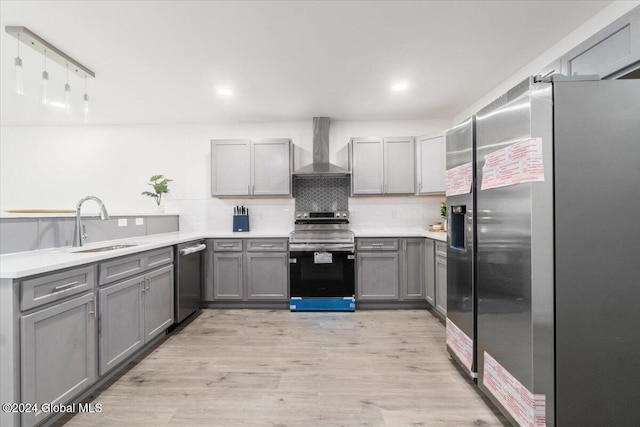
(322,262)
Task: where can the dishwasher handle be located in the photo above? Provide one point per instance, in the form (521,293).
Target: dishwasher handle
(193,249)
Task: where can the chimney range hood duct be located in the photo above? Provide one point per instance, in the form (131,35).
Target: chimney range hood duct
(320,165)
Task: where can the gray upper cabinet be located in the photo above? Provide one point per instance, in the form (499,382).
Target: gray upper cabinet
(431,164)
(242,167)
(399,172)
(57,354)
(271,167)
(608,52)
(382,165)
(366,164)
(230,167)
(412,260)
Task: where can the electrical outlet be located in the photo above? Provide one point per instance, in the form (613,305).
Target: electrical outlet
(139,221)
(122,222)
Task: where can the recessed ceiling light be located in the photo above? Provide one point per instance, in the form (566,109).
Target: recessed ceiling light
(225,91)
(399,87)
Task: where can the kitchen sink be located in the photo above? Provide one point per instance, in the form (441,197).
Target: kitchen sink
(103,248)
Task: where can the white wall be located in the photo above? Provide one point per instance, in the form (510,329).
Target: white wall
(53,167)
(609,14)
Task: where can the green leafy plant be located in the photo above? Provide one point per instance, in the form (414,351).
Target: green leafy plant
(160,185)
(443,209)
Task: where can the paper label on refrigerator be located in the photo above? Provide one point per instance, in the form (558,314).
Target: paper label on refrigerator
(526,408)
(459,179)
(460,343)
(518,163)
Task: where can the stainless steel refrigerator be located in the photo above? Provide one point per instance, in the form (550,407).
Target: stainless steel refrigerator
(461,240)
(558,252)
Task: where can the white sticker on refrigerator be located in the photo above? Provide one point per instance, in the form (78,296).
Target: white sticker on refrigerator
(526,408)
(518,163)
(460,343)
(459,179)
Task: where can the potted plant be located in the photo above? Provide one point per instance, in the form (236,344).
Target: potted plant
(443,214)
(160,186)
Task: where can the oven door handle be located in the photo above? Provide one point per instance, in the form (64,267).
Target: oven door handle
(333,247)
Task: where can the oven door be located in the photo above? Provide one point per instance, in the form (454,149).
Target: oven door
(322,274)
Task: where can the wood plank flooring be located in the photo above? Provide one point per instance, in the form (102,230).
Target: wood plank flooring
(277,368)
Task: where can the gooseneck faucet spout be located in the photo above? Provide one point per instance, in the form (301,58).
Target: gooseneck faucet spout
(78,235)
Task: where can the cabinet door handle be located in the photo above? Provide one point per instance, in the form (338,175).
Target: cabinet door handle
(65,286)
(148,281)
(377,244)
(266,246)
(92,307)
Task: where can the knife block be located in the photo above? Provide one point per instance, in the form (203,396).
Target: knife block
(241,223)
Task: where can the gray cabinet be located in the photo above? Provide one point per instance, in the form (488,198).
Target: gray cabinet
(378,269)
(158,301)
(430,272)
(441,277)
(57,353)
(121,331)
(135,301)
(431,163)
(412,284)
(260,272)
(242,167)
(132,313)
(267,275)
(382,165)
(228,280)
(608,52)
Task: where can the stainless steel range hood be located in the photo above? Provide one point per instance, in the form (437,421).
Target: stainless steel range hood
(321,165)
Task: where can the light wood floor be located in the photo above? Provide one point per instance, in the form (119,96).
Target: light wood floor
(277,368)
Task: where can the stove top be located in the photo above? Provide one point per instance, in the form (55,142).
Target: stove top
(322,231)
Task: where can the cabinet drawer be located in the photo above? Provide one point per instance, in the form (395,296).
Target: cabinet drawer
(53,287)
(441,249)
(377,244)
(267,245)
(159,257)
(120,268)
(227,245)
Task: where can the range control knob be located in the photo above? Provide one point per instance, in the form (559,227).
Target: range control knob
(306,215)
(344,215)
(298,215)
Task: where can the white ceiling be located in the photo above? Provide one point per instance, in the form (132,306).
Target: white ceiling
(160,61)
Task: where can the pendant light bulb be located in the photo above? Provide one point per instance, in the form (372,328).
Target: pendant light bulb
(67,98)
(45,88)
(85,108)
(19,76)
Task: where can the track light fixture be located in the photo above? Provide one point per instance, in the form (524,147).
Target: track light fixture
(49,51)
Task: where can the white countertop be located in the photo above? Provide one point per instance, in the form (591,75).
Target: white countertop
(399,232)
(24,264)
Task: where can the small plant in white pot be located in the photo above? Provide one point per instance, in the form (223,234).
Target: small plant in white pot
(160,186)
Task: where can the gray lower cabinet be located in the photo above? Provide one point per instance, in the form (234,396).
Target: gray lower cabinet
(228,283)
(413,271)
(158,301)
(58,353)
(267,275)
(121,332)
(132,312)
(247,270)
(378,275)
(430,271)
(441,284)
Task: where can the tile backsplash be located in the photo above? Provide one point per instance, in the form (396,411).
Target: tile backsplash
(321,193)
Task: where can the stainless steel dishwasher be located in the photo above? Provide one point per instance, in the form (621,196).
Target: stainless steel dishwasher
(188,279)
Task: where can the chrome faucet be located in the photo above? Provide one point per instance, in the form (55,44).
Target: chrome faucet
(78,234)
